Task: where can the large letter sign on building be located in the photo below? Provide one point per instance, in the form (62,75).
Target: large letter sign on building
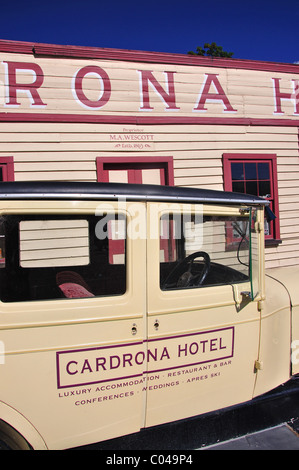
(146,79)
(105,87)
(206,95)
(13,86)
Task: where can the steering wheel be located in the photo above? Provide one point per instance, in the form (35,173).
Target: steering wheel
(188,278)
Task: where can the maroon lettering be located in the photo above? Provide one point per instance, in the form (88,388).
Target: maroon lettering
(147,78)
(68,368)
(206,95)
(151,354)
(86,366)
(201,347)
(77,87)
(127,358)
(194,348)
(114,362)
(164,353)
(100,362)
(13,86)
(182,349)
(279,96)
(142,356)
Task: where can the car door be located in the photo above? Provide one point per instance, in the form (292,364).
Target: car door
(72,319)
(203,326)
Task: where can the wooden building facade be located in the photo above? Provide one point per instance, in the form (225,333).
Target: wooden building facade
(70,113)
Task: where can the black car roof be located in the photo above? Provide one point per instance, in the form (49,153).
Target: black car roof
(115,191)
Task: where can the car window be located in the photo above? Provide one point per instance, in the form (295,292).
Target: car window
(51,257)
(213,250)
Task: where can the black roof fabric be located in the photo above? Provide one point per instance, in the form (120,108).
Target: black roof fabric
(114,191)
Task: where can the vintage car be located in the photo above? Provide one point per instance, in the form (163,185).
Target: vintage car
(124,307)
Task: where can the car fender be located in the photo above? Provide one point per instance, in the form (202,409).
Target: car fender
(19,428)
(288,277)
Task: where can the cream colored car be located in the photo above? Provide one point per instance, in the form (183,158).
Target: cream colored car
(127,306)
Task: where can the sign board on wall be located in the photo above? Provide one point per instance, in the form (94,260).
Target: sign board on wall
(52,86)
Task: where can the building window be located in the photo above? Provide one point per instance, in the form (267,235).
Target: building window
(6,174)
(255,174)
(61,257)
(6,169)
(146,170)
(133,170)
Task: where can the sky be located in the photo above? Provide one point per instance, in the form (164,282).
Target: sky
(265,30)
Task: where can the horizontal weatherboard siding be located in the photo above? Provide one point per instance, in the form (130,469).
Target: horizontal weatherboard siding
(150,105)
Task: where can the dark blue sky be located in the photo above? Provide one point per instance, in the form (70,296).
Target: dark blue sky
(252,29)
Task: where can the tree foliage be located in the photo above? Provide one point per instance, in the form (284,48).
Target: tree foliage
(211,50)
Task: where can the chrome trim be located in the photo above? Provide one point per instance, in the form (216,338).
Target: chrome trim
(129,197)
(43,190)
